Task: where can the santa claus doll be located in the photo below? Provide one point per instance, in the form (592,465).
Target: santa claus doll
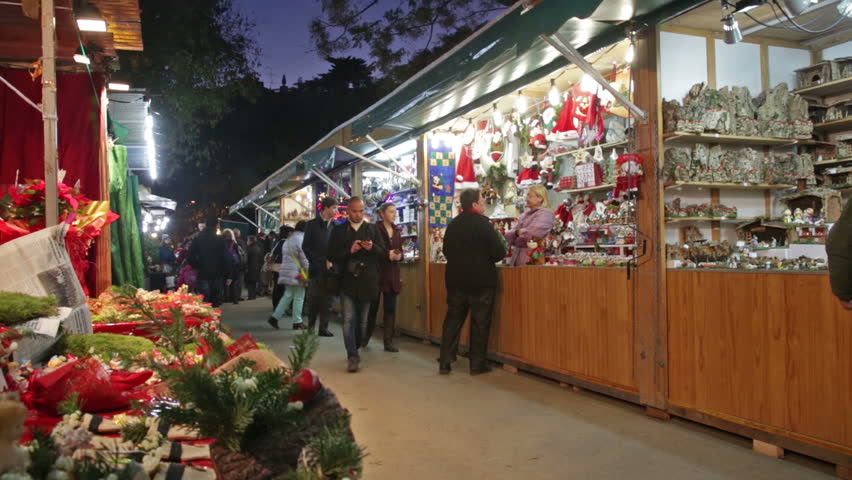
(628,175)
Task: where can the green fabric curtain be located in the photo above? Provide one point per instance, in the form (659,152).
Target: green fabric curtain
(127,265)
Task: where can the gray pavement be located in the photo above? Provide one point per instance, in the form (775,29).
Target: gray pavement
(417,424)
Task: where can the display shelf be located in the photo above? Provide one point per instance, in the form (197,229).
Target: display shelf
(815,142)
(710,219)
(836,161)
(834,125)
(599,188)
(604,245)
(728,139)
(844,85)
(622,143)
(729,186)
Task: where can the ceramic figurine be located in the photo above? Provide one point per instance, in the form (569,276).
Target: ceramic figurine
(809,215)
(798,216)
(13,457)
(788,216)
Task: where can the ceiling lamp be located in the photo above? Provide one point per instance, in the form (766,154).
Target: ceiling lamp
(81,57)
(118,86)
(845,8)
(521,103)
(89,18)
(554,97)
(796,7)
(732,30)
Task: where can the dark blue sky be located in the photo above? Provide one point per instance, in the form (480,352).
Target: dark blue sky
(282,32)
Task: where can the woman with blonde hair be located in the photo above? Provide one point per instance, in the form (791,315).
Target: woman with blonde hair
(535,224)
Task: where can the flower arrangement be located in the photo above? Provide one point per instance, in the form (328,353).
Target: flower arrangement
(22,211)
(115,306)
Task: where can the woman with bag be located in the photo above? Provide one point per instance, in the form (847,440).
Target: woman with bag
(534,225)
(293,274)
(274,264)
(390,283)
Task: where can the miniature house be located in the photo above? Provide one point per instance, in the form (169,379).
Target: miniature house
(762,231)
(841,68)
(816,74)
(838,177)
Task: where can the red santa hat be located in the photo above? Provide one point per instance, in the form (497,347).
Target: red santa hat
(465,176)
(628,157)
(540,142)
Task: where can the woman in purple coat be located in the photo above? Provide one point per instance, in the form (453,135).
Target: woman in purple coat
(534,224)
(390,283)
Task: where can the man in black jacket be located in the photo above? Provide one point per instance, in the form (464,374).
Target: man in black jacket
(839,249)
(209,257)
(315,246)
(472,247)
(355,248)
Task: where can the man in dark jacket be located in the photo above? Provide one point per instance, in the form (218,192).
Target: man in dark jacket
(472,247)
(208,256)
(839,248)
(315,246)
(356,249)
(254,263)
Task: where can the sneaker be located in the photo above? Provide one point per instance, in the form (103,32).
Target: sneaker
(273,322)
(353,365)
(444,369)
(299,326)
(325,333)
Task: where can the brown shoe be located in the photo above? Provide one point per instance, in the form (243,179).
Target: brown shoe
(353,365)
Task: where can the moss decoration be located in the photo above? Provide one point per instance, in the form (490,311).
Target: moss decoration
(107,344)
(16,308)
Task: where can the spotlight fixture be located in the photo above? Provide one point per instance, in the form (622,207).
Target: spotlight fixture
(81,57)
(796,7)
(554,97)
(118,86)
(89,18)
(845,8)
(731,29)
(521,103)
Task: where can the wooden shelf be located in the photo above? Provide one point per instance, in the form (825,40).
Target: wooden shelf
(836,161)
(604,246)
(622,143)
(710,219)
(729,186)
(836,87)
(608,186)
(834,125)
(728,139)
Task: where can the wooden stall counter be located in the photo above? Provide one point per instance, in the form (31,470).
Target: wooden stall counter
(762,352)
(571,324)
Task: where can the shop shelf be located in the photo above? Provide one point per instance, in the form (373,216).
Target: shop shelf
(710,219)
(729,139)
(844,85)
(729,186)
(608,186)
(834,126)
(604,246)
(836,161)
(622,143)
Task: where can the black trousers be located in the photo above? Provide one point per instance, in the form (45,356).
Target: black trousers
(480,304)
(318,302)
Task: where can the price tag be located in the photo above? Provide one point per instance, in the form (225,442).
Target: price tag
(48,325)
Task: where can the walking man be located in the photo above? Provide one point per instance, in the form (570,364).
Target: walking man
(315,246)
(208,256)
(356,249)
(472,247)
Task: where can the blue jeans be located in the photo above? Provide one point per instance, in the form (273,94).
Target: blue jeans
(211,290)
(355,313)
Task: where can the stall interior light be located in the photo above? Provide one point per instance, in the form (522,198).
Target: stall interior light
(631,51)
(497,116)
(118,86)
(89,18)
(82,59)
(553,96)
(731,30)
(521,103)
(151,147)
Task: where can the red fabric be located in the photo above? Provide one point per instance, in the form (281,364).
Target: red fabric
(85,376)
(465,175)
(123,380)
(140,329)
(582,110)
(22,134)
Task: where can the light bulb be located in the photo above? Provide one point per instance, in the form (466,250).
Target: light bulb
(521,103)
(553,96)
(631,53)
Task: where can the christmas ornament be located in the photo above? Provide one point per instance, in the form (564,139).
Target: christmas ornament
(628,176)
(309,385)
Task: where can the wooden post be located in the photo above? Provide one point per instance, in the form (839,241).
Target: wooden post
(650,342)
(48,102)
(425,239)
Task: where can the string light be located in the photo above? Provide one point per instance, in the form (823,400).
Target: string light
(521,103)
(497,117)
(554,96)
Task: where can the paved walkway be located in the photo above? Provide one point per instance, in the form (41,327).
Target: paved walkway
(418,425)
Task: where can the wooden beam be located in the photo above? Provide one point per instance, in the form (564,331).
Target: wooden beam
(711,61)
(764,67)
(773,42)
(650,345)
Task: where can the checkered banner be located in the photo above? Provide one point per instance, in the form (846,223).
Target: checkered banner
(442,180)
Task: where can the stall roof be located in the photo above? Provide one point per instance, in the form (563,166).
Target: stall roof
(498,59)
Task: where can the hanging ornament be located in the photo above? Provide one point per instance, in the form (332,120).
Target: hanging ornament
(521,103)
(553,96)
(497,117)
